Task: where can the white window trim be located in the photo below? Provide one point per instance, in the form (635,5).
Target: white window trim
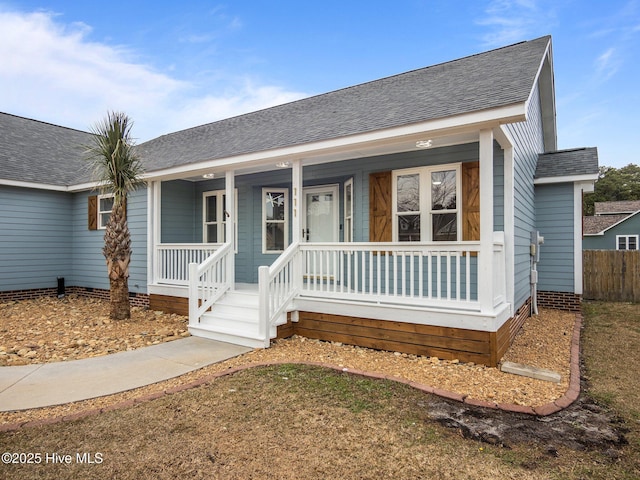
(348,213)
(102,212)
(425,210)
(626,237)
(220,214)
(285,221)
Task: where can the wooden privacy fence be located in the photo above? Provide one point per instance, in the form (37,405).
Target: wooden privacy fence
(612,275)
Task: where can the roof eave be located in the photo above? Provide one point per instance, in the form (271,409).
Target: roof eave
(474,120)
(586,178)
(545,81)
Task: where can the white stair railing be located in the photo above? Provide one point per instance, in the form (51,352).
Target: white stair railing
(277,286)
(208,281)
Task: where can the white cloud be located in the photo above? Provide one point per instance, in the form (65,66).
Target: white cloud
(511,21)
(53,72)
(607,64)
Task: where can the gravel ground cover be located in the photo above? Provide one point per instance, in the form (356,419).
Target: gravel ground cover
(65,330)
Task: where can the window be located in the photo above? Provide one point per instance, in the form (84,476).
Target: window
(426,204)
(214,216)
(105,205)
(275,220)
(348,210)
(627,242)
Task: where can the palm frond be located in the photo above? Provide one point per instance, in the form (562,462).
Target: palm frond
(116,167)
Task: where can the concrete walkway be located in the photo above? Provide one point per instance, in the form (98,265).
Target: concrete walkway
(43,385)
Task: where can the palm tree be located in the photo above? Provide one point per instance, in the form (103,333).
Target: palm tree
(118,171)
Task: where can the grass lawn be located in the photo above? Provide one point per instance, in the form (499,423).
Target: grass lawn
(294,421)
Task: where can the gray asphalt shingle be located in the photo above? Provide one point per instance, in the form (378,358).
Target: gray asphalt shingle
(577,161)
(488,80)
(38,152)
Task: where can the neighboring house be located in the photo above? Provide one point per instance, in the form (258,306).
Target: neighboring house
(614,226)
(396,214)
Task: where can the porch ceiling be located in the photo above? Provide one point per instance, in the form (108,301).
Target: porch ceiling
(369,149)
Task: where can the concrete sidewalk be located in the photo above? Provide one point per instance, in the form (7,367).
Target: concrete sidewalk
(43,385)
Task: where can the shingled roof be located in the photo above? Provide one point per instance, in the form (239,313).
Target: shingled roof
(493,79)
(622,206)
(595,224)
(32,151)
(567,163)
(37,152)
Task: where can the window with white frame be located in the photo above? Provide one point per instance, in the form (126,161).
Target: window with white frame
(348,210)
(627,242)
(275,220)
(426,204)
(105,206)
(214,216)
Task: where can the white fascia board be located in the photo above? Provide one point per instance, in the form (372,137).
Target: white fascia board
(37,186)
(550,132)
(587,178)
(488,118)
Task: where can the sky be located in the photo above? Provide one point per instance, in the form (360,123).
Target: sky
(174,65)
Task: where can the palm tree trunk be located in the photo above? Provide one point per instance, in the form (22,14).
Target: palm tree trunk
(119,299)
(117,252)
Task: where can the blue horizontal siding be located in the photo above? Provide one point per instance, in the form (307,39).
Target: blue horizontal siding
(89,265)
(34,238)
(528,143)
(554,220)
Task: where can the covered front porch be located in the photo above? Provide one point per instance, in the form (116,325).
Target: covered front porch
(314,263)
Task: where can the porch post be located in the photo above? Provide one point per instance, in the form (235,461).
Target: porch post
(296,201)
(485,265)
(230,228)
(153,229)
(506,142)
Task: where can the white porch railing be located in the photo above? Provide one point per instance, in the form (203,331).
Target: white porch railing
(277,286)
(208,281)
(173,259)
(434,274)
(437,274)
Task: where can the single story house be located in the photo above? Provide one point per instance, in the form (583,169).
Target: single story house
(406,213)
(614,226)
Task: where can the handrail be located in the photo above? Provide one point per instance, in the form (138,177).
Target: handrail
(208,281)
(277,286)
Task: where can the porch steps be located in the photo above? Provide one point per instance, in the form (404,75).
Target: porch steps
(233,319)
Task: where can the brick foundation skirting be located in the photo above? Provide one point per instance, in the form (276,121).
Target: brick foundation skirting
(560,301)
(135,299)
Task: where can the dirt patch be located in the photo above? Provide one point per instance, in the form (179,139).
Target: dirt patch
(582,426)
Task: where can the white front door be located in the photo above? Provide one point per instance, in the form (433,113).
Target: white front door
(320,224)
(321,218)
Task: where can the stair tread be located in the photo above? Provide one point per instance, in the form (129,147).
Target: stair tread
(238,332)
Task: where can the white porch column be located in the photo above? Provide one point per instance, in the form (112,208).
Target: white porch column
(485,264)
(230,228)
(506,142)
(153,229)
(296,201)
